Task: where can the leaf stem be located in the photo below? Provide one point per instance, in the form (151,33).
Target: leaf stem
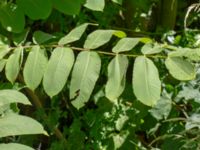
(98,51)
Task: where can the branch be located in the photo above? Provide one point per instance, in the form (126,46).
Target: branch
(37,103)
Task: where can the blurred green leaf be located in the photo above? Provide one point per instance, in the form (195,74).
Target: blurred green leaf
(35,9)
(40,37)
(12,17)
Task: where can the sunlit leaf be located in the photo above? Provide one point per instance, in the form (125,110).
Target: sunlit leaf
(97,5)
(98,38)
(4,49)
(13,65)
(73,35)
(125,44)
(2,64)
(146,40)
(34,67)
(151,48)
(36,9)
(84,76)
(58,69)
(180,69)
(14,146)
(12,96)
(146,82)
(12,124)
(119,34)
(192,54)
(116,77)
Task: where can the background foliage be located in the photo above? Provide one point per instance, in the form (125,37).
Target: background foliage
(106,74)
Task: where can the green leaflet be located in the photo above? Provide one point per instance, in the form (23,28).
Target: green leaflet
(119,34)
(12,96)
(116,77)
(12,124)
(73,35)
(97,5)
(125,44)
(146,82)
(4,49)
(180,69)
(40,37)
(84,76)
(14,146)
(13,65)
(150,48)
(67,7)
(34,67)
(35,9)
(2,64)
(192,54)
(98,38)
(12,18)
(58,69)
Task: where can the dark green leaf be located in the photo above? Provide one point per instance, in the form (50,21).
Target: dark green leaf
(12,18)
(35,9)
(40,37)
(67,7)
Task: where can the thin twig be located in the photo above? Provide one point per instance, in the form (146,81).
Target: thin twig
(175,119)
(37,103)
